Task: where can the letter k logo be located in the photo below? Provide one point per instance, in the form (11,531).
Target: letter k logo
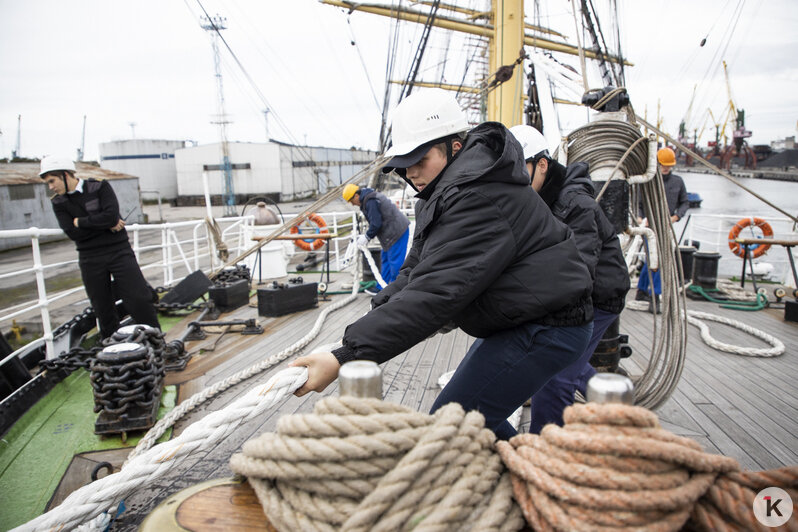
(772,506)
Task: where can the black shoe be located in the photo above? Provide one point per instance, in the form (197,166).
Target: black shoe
(642,296)
(654,306)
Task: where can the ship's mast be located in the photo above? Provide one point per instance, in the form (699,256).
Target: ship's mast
(505,31)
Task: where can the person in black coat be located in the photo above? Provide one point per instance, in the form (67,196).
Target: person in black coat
(88,212)
(570,195)
(487,256)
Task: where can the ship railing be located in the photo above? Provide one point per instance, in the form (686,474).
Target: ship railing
(711,232)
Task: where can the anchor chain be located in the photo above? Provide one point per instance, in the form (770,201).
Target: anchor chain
(124,376)
(70,360)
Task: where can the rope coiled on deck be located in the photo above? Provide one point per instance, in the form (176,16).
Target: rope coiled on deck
(364,464)
(611,467)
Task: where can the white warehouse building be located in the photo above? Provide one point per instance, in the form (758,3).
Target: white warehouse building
(279,171)
(152,161)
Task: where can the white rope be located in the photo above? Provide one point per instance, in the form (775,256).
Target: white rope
(200,397)
(99,496)
(694,318)
(373,266)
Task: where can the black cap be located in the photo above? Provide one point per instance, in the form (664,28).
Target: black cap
(409,159)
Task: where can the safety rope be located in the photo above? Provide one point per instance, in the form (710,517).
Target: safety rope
(365,464)
(612,467)
(373,266)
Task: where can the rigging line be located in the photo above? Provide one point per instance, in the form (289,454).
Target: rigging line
(393,45)
(363,63)
(263,99)
(319,112)
(602,46)
(410,81)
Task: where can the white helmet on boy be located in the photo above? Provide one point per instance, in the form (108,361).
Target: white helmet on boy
(56,163)
(532,141)
(419,120)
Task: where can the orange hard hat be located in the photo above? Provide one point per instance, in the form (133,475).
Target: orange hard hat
(666,157)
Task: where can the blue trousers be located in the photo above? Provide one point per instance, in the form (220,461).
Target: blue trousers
(550,401)
(393,259)
(502,371)
(643,284)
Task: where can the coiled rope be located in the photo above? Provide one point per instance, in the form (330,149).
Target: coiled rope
(611,467)
(365,464)
(695,318)
(615,146)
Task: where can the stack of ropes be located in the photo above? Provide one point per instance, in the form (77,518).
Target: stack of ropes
(363,464)
(611,467)
(618,145)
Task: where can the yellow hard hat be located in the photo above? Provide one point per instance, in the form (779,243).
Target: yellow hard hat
(666,157)
(349,191)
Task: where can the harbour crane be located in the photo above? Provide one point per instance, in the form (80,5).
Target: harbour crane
(739,146)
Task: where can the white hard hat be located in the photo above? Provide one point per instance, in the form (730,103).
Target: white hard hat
(420,119)
(55,163)
(532,141)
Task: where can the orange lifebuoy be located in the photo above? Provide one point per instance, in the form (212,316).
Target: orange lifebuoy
(754,251)
(310,244)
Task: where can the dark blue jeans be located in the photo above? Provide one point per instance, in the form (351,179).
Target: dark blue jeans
(502,371)
(550,401)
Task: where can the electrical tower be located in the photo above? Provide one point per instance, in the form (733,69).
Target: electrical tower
(215,25)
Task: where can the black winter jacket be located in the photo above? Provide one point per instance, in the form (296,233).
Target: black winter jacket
(487,255)
(570,195)
(97,211)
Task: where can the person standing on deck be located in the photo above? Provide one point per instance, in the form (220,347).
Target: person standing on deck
(487,256)
(387,223)
(569,193)
(678,203)
(88,212)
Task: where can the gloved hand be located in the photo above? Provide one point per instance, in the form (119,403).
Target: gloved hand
(362,240)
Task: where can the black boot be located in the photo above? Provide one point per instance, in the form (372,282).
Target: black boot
(642,296)
(654,306)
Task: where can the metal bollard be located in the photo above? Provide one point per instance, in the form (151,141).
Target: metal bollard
(360,378)
(610,388)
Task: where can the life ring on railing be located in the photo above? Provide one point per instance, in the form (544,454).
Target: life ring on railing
(754,251)
(309,244)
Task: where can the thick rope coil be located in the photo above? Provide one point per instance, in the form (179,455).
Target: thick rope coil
(364,464)
(611,467)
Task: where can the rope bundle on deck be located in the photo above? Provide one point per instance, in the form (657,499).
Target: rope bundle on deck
(364,464)
(611,467)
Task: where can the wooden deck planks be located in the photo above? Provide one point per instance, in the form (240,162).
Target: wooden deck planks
(738,406)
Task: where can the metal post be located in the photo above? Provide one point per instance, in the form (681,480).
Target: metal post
(360,378)
(37,266)
(610,388)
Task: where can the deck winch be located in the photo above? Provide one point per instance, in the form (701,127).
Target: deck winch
(127,379)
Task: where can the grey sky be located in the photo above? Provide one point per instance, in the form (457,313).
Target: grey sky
(149,62)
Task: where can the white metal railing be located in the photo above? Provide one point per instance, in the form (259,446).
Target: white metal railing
(174,248)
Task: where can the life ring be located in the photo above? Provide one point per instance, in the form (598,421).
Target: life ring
(754,251)
(309,244)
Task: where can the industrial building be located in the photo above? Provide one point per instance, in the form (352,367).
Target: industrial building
(151,160)
(25,199)
(279,171)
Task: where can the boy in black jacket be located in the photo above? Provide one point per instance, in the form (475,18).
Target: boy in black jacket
(88,212)
(487,255)
(569,194)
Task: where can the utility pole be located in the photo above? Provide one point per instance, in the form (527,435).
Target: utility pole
(132,129)
(82,140)
(215,25)
(266,122)
(15,153)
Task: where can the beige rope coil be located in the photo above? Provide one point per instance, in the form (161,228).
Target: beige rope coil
(364,464)
(611,467)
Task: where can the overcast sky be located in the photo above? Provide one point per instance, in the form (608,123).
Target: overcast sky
(149,63)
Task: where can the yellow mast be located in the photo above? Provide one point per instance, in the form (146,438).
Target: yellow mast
(506,40)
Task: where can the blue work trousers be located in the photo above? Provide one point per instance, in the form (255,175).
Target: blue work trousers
(502,371)
(643,283)
(393,259)
(550,401)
